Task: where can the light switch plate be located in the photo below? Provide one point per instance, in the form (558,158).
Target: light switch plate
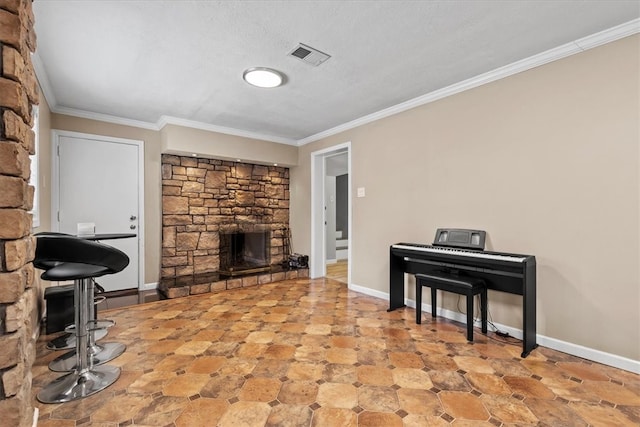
(361,192)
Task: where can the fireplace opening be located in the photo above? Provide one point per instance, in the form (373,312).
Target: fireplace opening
(244,253)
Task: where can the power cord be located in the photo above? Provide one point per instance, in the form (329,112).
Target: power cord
(508,339)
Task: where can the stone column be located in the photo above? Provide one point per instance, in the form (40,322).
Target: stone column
(19,299)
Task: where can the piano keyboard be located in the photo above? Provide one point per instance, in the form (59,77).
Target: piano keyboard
(461,252)
(502,271)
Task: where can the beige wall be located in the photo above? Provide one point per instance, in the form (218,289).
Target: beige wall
(172,138)
(184,141)
(547,161)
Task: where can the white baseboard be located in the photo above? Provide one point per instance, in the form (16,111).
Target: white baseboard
(330,261)
(566,347)
(148,286)
(369,291)
(591,354)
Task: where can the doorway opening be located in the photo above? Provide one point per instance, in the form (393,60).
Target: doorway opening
(331,231)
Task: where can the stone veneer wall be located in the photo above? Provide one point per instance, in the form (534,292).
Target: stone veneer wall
(19,296)
(204,197)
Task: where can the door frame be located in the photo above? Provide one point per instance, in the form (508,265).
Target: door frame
(318,266)
(56,134)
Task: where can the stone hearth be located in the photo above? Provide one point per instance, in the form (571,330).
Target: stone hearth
(183,286)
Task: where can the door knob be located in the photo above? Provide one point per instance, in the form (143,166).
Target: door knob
(133,217)
(133,227)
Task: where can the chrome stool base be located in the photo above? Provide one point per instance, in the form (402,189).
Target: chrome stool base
(77,385)
(98,354)
(68,341)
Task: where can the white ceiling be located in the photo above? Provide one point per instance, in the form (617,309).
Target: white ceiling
(166,61)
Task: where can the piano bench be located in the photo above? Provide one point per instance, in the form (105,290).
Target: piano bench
(461,285)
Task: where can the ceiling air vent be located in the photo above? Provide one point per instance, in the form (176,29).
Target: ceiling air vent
(309,55)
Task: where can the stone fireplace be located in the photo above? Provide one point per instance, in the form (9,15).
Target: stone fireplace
(206,202)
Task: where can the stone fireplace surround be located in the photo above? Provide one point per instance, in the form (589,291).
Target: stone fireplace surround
(202,198)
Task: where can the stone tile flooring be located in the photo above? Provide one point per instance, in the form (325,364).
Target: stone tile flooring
(312,353)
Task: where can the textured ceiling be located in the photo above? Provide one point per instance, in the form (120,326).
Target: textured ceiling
(141,60)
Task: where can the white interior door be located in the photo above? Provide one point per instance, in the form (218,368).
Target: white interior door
(98,182)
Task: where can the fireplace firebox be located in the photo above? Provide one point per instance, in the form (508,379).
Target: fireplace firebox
(244,252)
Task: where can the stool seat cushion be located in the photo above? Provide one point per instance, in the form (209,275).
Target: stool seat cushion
(52,249)
(453,281)
(73,271)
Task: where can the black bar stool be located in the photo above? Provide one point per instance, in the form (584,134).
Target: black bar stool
(81,261)
(43,261)
(101,353)
(461,285)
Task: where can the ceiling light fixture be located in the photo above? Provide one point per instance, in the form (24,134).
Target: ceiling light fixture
(263,77)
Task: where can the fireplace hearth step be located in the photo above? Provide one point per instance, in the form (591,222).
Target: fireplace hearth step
(244,271)
(182,286)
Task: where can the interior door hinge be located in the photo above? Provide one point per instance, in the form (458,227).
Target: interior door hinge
(58,216)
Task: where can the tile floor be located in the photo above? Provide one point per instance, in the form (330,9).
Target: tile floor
(312,353)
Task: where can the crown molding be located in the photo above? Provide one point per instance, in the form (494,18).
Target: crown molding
(560,52)
(610,35)
(169,120)
(105,118)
